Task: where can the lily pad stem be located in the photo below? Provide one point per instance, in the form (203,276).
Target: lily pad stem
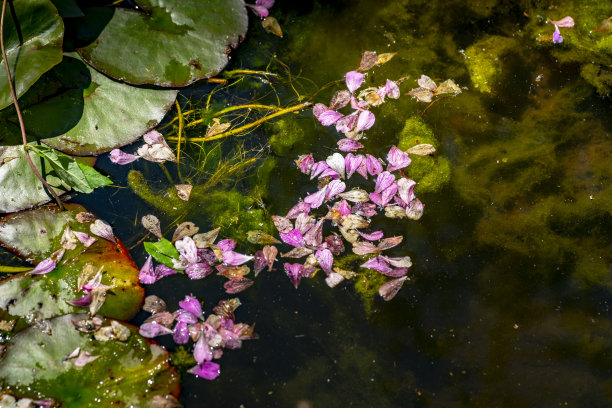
(18,110)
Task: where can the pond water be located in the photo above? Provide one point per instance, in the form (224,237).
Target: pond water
(508,302)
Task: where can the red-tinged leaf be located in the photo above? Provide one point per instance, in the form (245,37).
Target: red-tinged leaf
(390,289)
(237,285)
(388,243)
(364,248)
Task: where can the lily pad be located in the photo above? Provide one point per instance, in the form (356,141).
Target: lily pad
(33,49)
(126,373)
(34,235)
(79,111)
(166,43)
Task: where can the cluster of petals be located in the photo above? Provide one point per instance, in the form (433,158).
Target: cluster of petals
(155,149)
(210,336)
(565,22)
(261,8)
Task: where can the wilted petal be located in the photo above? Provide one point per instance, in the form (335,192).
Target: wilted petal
(395,273)
(83,301)
(305,163)
(395,211)
(344,208)
(318,109)
(373,165)
(147,273)
(68,240)
(103,230)
(153,137)
(421,94)
(293,237)
(340,100)
(192,305)
(153,329)
(557,37)
(331,173)
(405,189)
(259,11)
(329,117)
(270,253)
(325,259)
(388,194)
(390,289)
(317,169)
(397,159)
(376,198)
(334,188)
(347,145)
(297,252)
(390,242)
(336,163)
(401,262)
(163,270)
(365,209)
(354,80)
(181,333)
(118,156)
(356,196)
(365,120)
(44,267)
(333,279)
(185,317)
(364,248)
(352,163)
(346,123)
(316,199)
(188,249)
(368,60)
(84,238)
(427,83)
(201,350)
(157,153)
(335,244)
(423,149)
(362,169)
(373,236)
(415,209)
(259,262)
(295,272)
(303,223)
(226,245)
(154,304)
(207,370)
(84,358)
(282,224)
(384,180)
(392,90)
(314,236)
(378,263)
(566,22)
(237,285)
(235,258)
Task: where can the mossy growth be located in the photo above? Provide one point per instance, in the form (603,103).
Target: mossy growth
(287,133)
(168,201)
(182,359)
(485,61)
(430,172)
(598,76)
(367,284)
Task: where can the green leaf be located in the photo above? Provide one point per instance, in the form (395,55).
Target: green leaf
(34,235)
(162,251)
(79,111)
(94,178)
(66,167)
(41,30)
(127,373)
(166,43)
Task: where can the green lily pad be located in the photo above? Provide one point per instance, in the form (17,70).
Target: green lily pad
(34,235)
(166,43)
(79,111)
(42,31)
(127,373)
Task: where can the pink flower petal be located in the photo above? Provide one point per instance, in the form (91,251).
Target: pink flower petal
(235,258)
(300,207)
(405,189)
(188,249)
(333,279)
(325,259)
(352,163)
(334,188)
(395,273)
(118,156)
(226,245)
(344,208)
(376,198)
(185,317)
(163,270)
(314,236)
(427,83)
(378,264)
(201,350)
(317,169)
(354,80)
(397,159)
(335,244)
(304,222)
(85,238)
(347,123)
(237,285)
(293,238)
(388,194)
(305,163)
(259,11)
(207,370)
(384,180)
(329,173)
(316,199)
(329,117)
(401,262)
(44,267)
(83,301)
(347,145)
(373,165)
(318,109)
(294,272)
(557,37)
(340,99)
(180,333)
(373,236)
(153,329)
(364,248)
(415,209)
(336,163)
(566,22)
(282,224)
(147,272)
(192,305)
(103,230)
(392,90)
(153,137)
(390,289)
(365,121)
(365,209)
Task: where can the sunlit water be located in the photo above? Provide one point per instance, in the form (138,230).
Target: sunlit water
(508,299)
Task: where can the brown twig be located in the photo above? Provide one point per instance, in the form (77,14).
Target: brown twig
(431,104)
(18,110)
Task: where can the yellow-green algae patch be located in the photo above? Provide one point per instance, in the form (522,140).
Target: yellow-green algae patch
(485,61)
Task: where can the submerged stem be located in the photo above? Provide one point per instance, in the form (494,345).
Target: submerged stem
(18,111)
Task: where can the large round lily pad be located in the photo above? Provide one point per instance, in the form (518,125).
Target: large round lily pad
(128,373)
(34,235)
(79,111)
(166,43)
(33,49)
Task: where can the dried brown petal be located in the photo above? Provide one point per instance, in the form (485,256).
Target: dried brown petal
(350,235)
(164,401)
(386,57)
(299,252)
(237,285)
(390,242)
(98,296)
(270,24)
(121,332)
(88,325)
(368,60)
(390,289)
(103,230)
(346,274)
(356,195)
(163,318)
(151,223)
(340,99)
(448,86)
(261,238)
(395,211)
(68,240)
(217,127)
(183,191)
(225,308)
(206,239)
(232,272)
(87,273)
(270,253)
(282,224)
(154,304)
(104,333)
(184,229)
(7,325)
(354,221)
(423,149)
(83,217)
(421,94)
(364,248)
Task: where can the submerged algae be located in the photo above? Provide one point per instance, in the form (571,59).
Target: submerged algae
(485,61)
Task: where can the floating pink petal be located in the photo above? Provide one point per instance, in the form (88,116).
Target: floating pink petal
(153,137)
(346,123)
(365,121)
(335,244)
(84,358)
(329,117)
(390,242)
(293,238)
(405,189)
(365,209)
(334,188)
(85,238)
(395,273)
(376,198)
(364,248)
(354,80)
(226,245)
(207,370)
(259,262)
(300,207)
(235,258)
(336,163)
(314,236)
(566,22)
(237,285)
(344,208)
(390,289)
(427,83)
(188,249)
(318,109)
(305,163)
(118,156)
(192,305)
(397,159)
(153,329)
(270,253)
(294,272)
(401,262)
(316,199)
(352,163)
(373,236)
(333,279)
(147,272)
(388,194)
(378,264)
(163,270)
(347,145)
(331,173)
(340,99)
(415,209)
(373,165)
(557,37)
(392,90)
(282,224)
(180,333)
(44,267)
(201,350)
(317,169)
(325,259)
(384,180)
(259,11)
(185,317)
(304,222)
(207,256)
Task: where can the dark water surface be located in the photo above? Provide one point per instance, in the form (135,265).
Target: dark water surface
(508,303)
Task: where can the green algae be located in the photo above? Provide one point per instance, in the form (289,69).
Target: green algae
(485,61)
(287,133)
(430,172)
